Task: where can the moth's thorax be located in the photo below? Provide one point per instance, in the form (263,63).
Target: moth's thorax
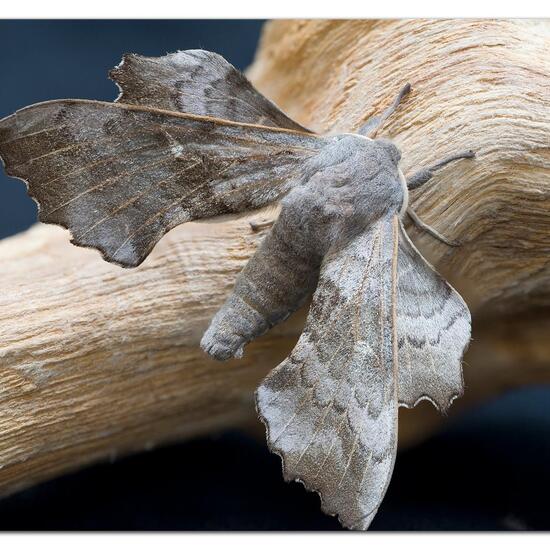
(347,186)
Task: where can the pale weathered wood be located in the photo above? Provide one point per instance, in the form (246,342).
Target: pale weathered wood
(96,361)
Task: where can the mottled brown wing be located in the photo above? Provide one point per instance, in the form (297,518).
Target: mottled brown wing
(331,407)
(433,328)
(197,82)
(119,177)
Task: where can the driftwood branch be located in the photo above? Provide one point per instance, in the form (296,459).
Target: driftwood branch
(97,361)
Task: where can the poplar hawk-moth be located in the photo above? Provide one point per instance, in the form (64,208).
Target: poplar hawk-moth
(189,137)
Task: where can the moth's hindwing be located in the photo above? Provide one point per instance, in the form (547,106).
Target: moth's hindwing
(433,328)
(331,407)
(197,82)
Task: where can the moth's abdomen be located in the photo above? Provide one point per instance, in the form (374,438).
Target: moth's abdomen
(348,186)
(273,284)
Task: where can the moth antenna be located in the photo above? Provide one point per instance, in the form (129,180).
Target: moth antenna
(371,127)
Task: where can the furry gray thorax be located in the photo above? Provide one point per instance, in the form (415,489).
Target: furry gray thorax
(344,188)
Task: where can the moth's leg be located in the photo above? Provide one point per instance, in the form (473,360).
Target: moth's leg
(420,178)
(374,123)
(256,226)
(273,284)
(429,229)
(425,174)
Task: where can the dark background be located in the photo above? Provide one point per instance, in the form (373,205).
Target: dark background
(487,471)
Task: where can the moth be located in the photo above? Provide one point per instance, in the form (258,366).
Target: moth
(189,137)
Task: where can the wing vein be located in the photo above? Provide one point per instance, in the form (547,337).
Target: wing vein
(31,134)
(146,192)
(109,181)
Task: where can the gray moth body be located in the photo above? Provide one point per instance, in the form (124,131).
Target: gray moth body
(346,187)
(188,138)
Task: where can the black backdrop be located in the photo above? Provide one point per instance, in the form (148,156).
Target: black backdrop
(487,471)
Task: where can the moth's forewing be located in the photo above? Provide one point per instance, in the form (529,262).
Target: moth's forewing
(331,407)
(119,176)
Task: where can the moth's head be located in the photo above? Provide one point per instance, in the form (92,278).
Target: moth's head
(355,159)
(389,149)
(348,147)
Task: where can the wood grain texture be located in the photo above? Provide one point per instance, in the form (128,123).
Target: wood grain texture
(479,85)
(96,361)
